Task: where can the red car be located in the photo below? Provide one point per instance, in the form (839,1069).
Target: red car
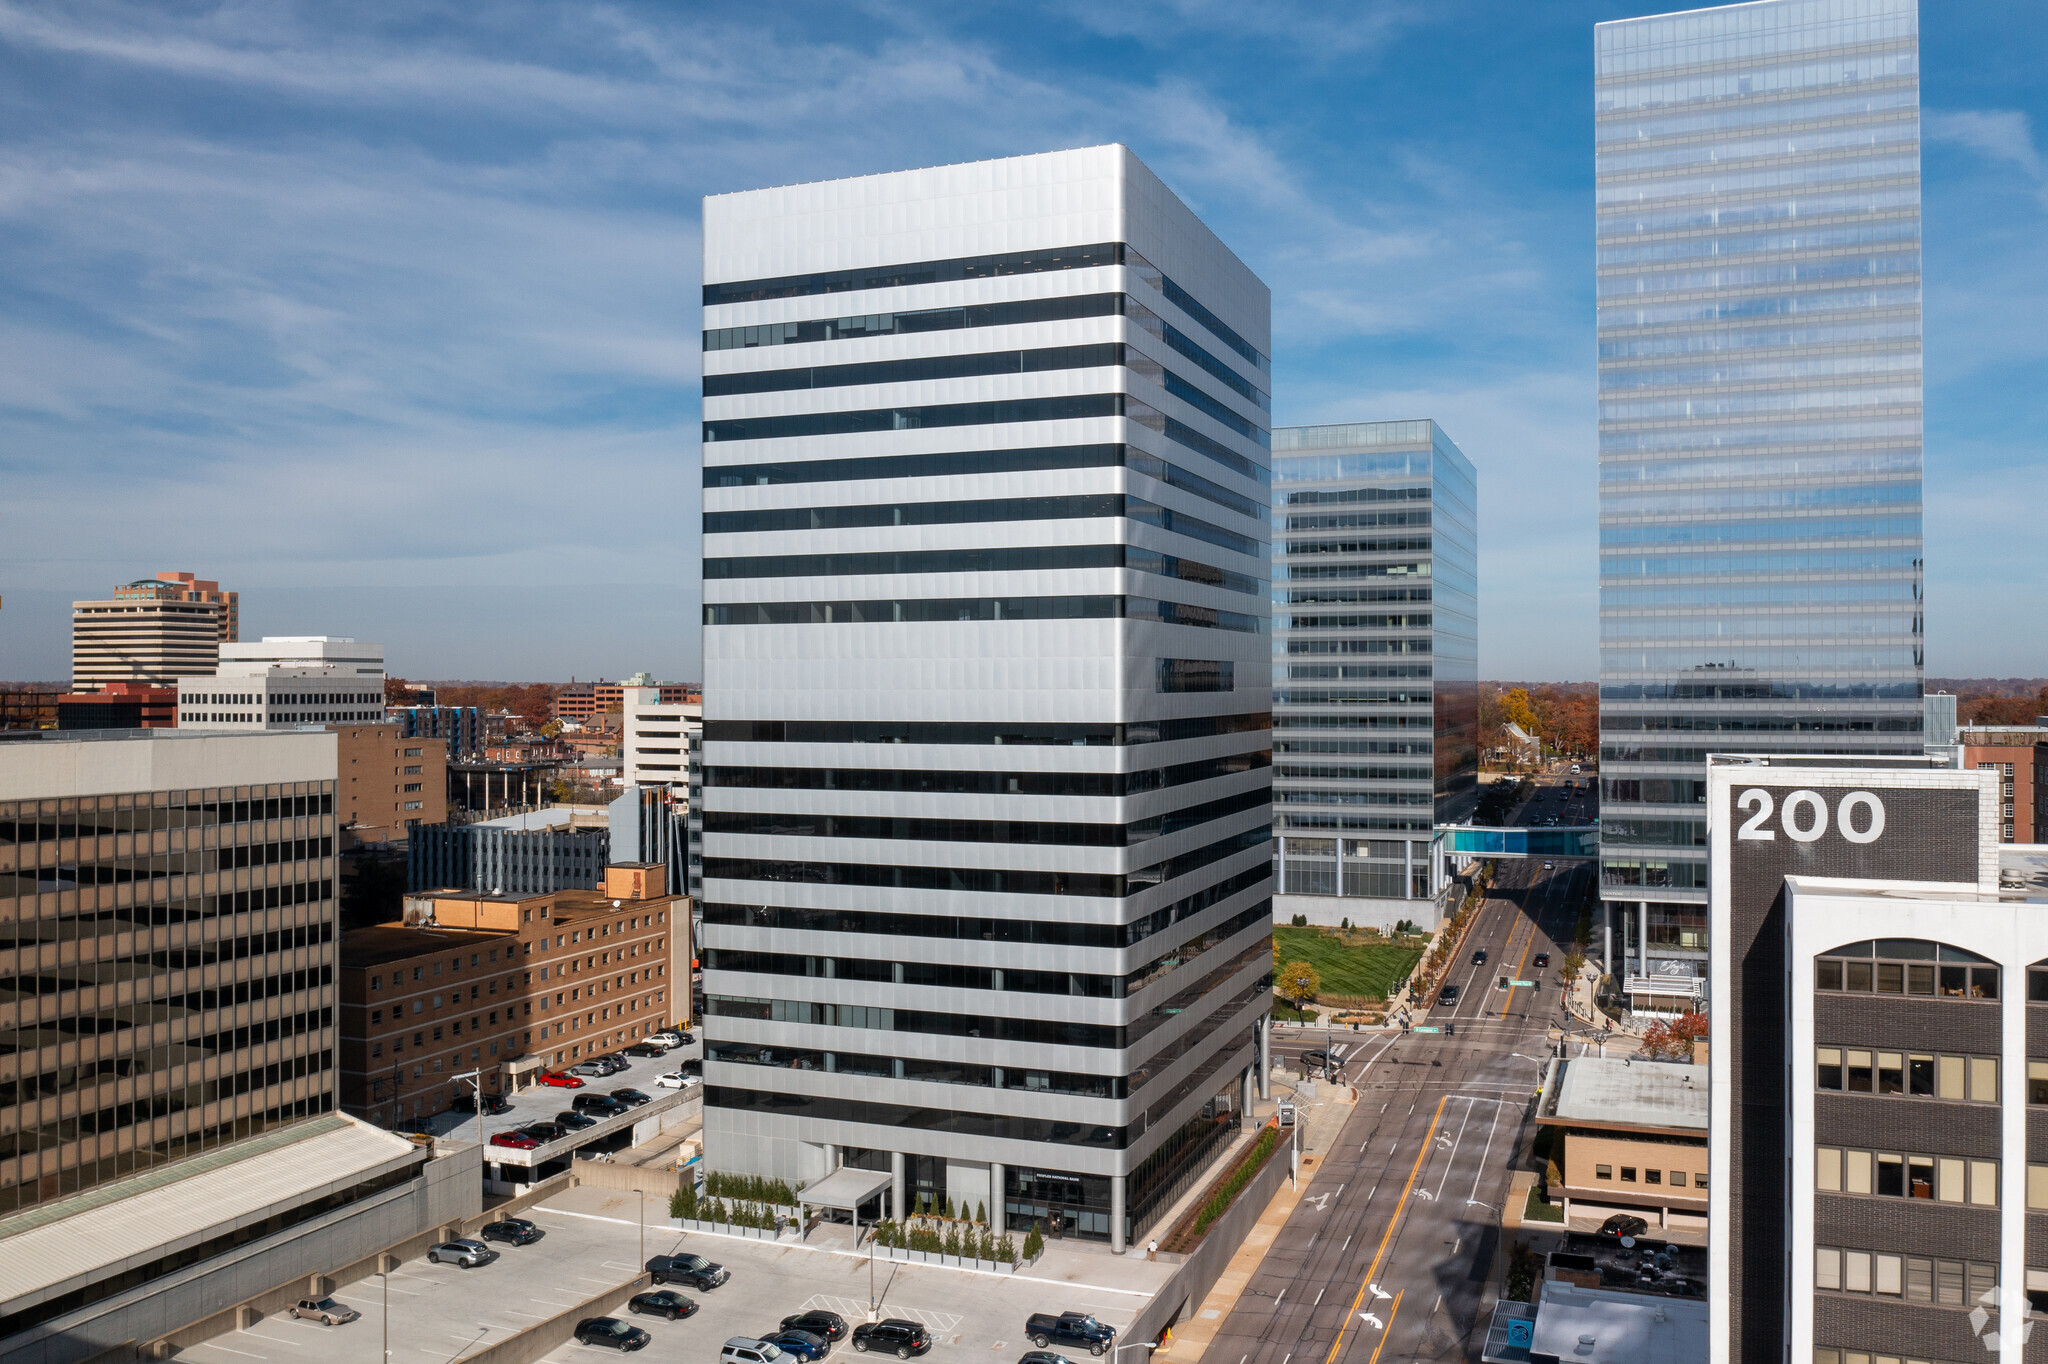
(518,1139)
(560,1079)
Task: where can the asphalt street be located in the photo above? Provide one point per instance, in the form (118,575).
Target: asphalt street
(1387,1259)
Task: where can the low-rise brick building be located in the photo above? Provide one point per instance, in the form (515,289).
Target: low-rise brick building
(1628,1136)
(508,985)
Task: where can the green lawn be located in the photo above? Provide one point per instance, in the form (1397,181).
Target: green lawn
(1350,964)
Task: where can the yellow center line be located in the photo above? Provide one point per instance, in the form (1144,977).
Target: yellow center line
(1518,972)
(1372,1270)
(1388,1329)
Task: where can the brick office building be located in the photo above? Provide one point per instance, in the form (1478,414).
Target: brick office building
(384,780)
(504,984)
(2015,752)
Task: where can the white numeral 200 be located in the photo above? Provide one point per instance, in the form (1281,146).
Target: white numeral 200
(1805,816)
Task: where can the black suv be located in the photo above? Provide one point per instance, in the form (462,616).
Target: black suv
(1447,995)
(493,1104)
(905,1338)
(694,1270)
(545,1131)
(516,1230)
(646,1049)
(612,1332)
(573,1120)
(598,1105)
(632,1097)
(830,1325)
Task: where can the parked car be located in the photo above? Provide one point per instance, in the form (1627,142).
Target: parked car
(818,1322)
(612,1332)
(632,1096)
(678,1079)
(326,1311)
(1042,1357)
(667,1037)
(515,1139)
(575,1121)
(465,1252)
(800,1344)
(1069,1328)
(665,1302)
(1542,960)
(1447,995)
(904,1338)
(545,1131)
(560,1079)
(694,1270)
(1315,1060)
(517,1230)
(747,1350)
(646,1049)
(1479,957)
(493,1104)
(599,1105)
(594,1068)
(1622,1225)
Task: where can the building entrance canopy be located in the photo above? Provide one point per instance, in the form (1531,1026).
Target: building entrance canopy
(846,1188)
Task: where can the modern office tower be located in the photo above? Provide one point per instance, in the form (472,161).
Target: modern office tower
(536,853)
(153,642)
(657,733)
(1878,1185)
(1375,664)
(185,587)
(1760,438)
(987,694)
(284,681)
(168,1146)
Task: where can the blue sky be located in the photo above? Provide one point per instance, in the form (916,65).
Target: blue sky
(385,315)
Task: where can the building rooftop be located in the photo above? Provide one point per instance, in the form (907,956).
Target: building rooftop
(554,817)
(1616,1092)
(1595,1326)
(382,943)
(133,1222)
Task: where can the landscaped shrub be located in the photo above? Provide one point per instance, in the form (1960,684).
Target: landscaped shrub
(981,1213)
(683,1202)
(1034,1244)
(1254,1160)
(753,1188)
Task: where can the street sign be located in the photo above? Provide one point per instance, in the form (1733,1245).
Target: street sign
(1524,984)
(1427,1030)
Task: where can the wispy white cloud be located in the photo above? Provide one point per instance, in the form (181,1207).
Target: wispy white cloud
(2001,136)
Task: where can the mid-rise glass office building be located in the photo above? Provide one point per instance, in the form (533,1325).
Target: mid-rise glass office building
(1375,663)
(1760,421)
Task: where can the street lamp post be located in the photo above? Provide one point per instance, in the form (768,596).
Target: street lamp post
(476,1086)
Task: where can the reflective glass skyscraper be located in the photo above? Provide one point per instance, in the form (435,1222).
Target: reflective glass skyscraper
(1375,663)
(1760,426)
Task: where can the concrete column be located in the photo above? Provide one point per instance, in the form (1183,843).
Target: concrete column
(1643,936)
(1246,1112)
(897,1207)
(996,1176)
(1116,1214)
(1265,1033)
(1607,936)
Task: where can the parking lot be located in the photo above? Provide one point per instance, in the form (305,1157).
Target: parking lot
(541,1103)
(442,1312)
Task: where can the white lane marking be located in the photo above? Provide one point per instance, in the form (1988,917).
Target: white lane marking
(243,1353)
(1473,1197)
(1319,1298)
(1346,1246)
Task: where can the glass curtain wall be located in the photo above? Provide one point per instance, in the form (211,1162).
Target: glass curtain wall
(1758,257)
(1375,655)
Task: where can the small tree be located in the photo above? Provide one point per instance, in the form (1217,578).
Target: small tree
(1672,1039)
(1299,982)
(949,1242)
(1574,962)
(949,1207)
(1034,1244)
(981,1213)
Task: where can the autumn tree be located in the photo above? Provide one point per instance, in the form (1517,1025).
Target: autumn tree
(1672,1039)
(1299,982)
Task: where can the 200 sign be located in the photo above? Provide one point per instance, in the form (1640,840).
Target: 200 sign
(1804,817)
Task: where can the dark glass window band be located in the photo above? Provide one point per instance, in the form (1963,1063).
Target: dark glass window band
(916,369)
(971,462)
(949,732)
(980,609)
(917,272)
(917,1119)
(1016,312)
(910,1068)
(1034,558)
(984,880)
(899,781)
(783,824)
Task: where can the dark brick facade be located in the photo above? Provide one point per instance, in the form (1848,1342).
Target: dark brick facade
(1903,1023)
(1855,1322)
(1924,1126)
(2037,1028)
(1908,1226)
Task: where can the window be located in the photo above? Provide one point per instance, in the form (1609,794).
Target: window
(1628,1174)
(1678,1179)
(1914,968)
(376,1049)
(1889,1174)
(376,1016)
(1912,1074)
(2037,1082)
(1653,1176)
(1607,1172)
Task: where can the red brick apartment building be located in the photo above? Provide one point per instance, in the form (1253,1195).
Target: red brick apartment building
(582,700)
(2016,753)
(506,985)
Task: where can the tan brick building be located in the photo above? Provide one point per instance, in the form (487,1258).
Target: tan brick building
(1630,1135)
(508,985)
(385,781)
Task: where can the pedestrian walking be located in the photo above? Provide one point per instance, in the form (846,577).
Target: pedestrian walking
(1152,1250)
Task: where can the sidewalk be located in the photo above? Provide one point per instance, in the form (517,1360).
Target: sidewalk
(1326,1115)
